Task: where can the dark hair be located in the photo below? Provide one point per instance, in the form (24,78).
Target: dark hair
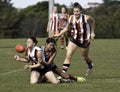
(49,40)
(34,40)
(77,5)
(65,8)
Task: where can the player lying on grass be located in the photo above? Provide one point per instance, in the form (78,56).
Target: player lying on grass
(42,62)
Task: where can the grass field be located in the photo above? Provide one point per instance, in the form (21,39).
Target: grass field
(105,77)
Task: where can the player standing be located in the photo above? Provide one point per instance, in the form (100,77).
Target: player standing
(63,20)
(53,22)
(82,28)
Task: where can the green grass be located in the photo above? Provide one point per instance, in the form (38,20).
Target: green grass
(105,77)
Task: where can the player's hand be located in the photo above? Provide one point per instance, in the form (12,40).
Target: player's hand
(57,35)
(92,36)
(26,67)
(16,57)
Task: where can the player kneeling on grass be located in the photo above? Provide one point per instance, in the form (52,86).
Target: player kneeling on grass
(42,63)
(48,54)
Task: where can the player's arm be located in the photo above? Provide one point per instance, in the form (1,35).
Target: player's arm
(48,25)
(50,59)
(38,65)
(91,21)
(68,18)
(67,26)
(18,58)
(63,31)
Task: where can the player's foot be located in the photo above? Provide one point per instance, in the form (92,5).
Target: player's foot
(62,80)
(89,70)
(80,79)
(59,77)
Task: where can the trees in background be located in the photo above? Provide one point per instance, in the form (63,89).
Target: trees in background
(107,17)
(32,21)
(18,23)
(9,19)
(35,20)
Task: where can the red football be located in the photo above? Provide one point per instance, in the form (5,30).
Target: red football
(20,48)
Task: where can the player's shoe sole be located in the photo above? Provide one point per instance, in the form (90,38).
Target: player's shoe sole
(80,79)
(59,77)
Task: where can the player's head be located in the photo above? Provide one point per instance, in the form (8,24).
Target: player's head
(31,41)
(63,9)
(77,5)
(77,8)
(50,43)
(55,9)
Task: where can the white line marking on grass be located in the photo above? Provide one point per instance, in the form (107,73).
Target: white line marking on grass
(6,73)
(10,53)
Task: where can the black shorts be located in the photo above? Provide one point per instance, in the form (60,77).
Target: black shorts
(82,45)
(45,69)
(41,71)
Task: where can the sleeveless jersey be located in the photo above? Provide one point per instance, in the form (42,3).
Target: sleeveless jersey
(80,29)
(54,22)
(44,56)
(63,19)
(32,55)
(47,57)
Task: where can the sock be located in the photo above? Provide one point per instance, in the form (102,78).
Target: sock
(62,80)
(66,39)
(73,78)
(62,41)
(65,67)
(89,64)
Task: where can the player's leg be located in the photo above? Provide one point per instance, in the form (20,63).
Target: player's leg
(34,78)
(67,78)
(50,33)
(59,72)
(71,48)
(66,39)
(54,32)
(62,41)
(51,77)
(63,77)
(85,53)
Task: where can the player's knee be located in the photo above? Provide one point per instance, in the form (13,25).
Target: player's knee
(33,82)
